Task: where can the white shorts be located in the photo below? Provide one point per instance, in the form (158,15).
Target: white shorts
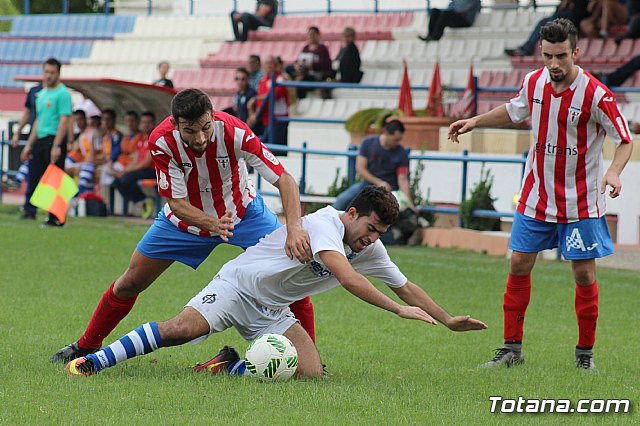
(224,307)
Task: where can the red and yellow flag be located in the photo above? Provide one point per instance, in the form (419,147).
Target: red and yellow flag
(54,191)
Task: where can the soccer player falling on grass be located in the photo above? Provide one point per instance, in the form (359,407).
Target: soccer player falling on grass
(562,201)
(200,156)
(253,291)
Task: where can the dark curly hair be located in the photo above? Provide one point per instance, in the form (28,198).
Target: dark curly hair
(558,31)
(379,200)
(190,104)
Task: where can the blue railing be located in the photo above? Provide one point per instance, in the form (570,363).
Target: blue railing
(328,7)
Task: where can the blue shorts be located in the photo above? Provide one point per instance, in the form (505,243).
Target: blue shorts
(165,241)
(584,239)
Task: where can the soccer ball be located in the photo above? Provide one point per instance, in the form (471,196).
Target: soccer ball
(272,357)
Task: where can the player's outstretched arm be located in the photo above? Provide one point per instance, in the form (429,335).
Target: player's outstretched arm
(360,287)
(196,217)
(413,295)
(298,244)
(494,118)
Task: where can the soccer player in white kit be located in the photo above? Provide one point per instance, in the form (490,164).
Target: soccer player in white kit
(562,200)
(253,292)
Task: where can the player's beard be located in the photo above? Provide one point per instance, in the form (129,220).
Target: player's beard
(557,78)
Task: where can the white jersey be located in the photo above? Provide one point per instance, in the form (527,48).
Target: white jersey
(265,273)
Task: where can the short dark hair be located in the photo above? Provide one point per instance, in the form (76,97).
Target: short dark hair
(559,30)
(149,114)
(53,61)
(111,112)
(393,126)
(379,200)
(316,29)
(132,113)
(242,70)
(255,57)
(190,104)
(80,112)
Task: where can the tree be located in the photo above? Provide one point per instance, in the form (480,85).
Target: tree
(55,6)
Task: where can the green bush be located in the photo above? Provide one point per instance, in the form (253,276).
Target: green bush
(480,200)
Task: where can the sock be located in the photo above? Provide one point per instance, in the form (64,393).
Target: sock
(141,341)
(85,181)
(516,300)
(238,368)
(110,310)
(23,172)
(303,310)
(586,303)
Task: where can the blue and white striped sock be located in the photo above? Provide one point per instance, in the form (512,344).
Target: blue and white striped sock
(238,368)
(140,341)
(85,181)
(23,172)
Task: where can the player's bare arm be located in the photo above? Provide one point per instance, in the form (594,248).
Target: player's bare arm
(196,217)
(494,118)
(63,129)
(413,295)
(26,151)
(612,176)
(298,244)
(362,288)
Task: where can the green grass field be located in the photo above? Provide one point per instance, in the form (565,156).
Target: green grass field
(384,370)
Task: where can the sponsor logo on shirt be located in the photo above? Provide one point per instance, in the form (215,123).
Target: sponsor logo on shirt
(156,152)
(550,149)
(607,99)
(163,183)
(269,156)
(537,101)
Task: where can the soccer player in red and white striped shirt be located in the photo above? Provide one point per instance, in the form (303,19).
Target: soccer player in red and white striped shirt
(201,157)
(562,201)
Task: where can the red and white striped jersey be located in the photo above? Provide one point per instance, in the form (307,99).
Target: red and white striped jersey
(216,181)
(564,168)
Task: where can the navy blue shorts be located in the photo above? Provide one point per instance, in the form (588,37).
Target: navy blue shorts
(584,239)
(165,241)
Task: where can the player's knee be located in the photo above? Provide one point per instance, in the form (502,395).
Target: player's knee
(584,276)
(521,264)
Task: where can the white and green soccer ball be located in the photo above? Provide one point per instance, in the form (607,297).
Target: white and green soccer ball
(272,357)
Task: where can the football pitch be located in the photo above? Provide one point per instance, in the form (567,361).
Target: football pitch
(383,369)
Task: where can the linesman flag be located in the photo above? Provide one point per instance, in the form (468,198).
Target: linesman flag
(405,101)
(54,191)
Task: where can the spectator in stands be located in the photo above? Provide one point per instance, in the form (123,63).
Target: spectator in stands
(108,148)
(573,10)
(382,161)
(255,71)
(142,168)
(259,118)
(163,70)
(28,116)
(47,141)
(622,73)
(633,29)
(128,150)
(242,96)
(459,14)
(313,63)
(603,13)
(265,14)
(347,63)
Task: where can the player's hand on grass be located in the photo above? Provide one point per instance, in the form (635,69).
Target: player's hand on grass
(612,179)
(415,313)
(465,323)
(458,128)
(223,226)
(298,244)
